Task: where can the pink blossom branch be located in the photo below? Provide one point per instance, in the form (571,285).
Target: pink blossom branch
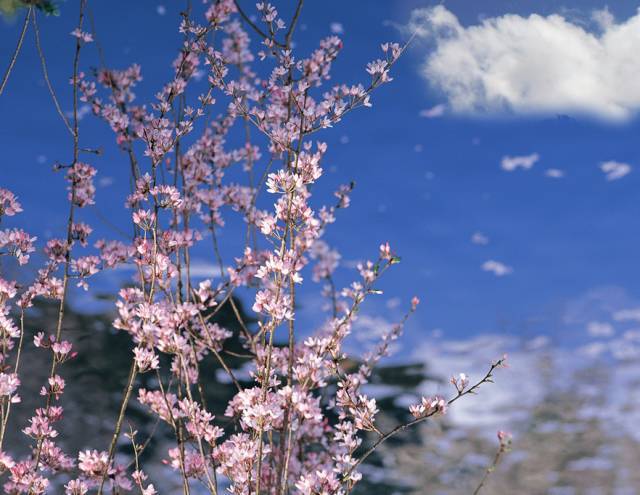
(253,25)
(505,442)
(70,220)
(488,378)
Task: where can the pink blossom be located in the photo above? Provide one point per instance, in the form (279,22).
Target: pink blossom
(56,387)
(300,411)
(505,439)
(144,218)
(6,461)
(85,267)
(460,382)
(17,243)
(9,383)
(145,359)
(94,464)
(429,406)
(8,290)
(82,35)
(76,487)
(62,351)
(8,203)
(81,188)
(80,232)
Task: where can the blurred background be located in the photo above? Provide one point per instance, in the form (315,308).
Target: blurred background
(501,166)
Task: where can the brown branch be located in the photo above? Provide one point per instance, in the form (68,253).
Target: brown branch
(471,390)
(69,240)
(294,21)
(504,448)
(14,57)
(253,25)
(133,372)
(45,73)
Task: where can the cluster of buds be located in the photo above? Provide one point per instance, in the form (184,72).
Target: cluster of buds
(505,438)
(429,406)
(460,382)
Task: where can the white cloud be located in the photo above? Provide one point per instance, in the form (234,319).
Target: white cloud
(370,327)
(490,408)
(479,238)
(603,18)
(105,181)
(497,268)
(554,173)
(600,329)
(594,349)
(615,170)
(433,112)
(204,269)
(510,163)
(393,303)
(82,112)
(532,65)
(198,269)
(598,304)
(336,28)
(539,342)
(632,335)
(632,314)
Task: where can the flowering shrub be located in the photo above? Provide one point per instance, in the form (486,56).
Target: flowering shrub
(299,426)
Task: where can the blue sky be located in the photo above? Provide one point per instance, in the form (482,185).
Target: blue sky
(424,184)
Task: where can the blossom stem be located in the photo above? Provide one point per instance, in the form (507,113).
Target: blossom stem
(45,74)
(489,470)
(16,52)
(402,427)
(133,373)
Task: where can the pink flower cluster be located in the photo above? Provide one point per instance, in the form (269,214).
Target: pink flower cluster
(300,423)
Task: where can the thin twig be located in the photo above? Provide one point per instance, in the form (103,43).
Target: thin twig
(505,441)
(471,390)
(133,372)
(69,240)
(14,57)
(45,73)
(254,26)
(294,21)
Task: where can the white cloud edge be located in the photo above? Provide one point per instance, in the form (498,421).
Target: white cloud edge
(532,65)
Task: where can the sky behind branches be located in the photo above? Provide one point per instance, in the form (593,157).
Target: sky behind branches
(506,178)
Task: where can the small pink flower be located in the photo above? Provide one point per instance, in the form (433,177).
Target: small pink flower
(56,387)
(385,251)
(82,35)
(505,439)
(6,461)
(94,464)
(460,382)
(429,406)
(62,351)
(9,383)
(8,203)
(76,487)
(414,303)
(146,359)
(144,219)
(81,188)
